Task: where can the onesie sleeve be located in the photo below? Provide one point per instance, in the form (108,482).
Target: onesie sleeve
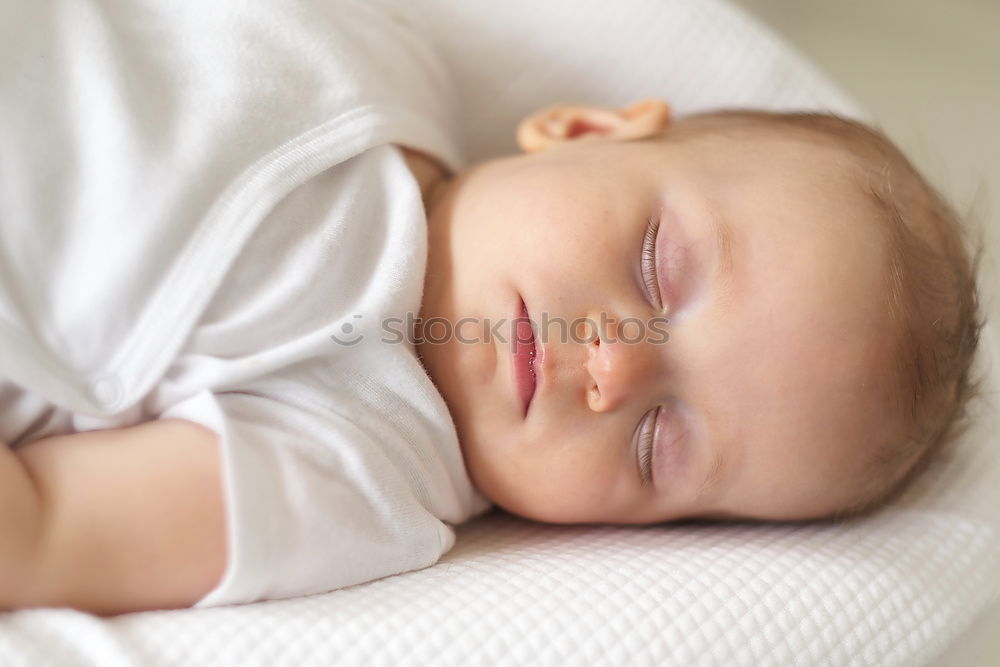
(312,504)
(340,462)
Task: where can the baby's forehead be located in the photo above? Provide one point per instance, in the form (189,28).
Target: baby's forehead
(814,151)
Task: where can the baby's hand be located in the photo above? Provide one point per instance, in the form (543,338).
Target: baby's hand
(112,521)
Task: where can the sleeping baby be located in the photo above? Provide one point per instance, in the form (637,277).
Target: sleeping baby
(264,333)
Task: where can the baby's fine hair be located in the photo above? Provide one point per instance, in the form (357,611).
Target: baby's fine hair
(931,295)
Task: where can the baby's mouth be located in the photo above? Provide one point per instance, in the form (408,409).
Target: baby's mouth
(523,350)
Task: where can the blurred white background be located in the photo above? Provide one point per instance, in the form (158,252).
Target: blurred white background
(928,72)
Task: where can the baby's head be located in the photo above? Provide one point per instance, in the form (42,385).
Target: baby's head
(774,312)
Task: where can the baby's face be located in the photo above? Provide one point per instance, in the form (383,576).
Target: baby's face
(760,399)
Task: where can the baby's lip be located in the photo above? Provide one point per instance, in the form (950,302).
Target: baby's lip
(539,362)
(523,351)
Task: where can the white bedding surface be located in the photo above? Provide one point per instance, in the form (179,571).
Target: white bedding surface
(892,589)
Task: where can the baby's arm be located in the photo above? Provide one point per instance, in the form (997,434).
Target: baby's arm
(112,521)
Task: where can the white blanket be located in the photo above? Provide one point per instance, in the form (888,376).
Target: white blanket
(892,589)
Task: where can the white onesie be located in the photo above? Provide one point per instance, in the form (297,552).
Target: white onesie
(202,216)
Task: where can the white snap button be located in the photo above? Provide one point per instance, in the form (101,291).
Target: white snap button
(106,390)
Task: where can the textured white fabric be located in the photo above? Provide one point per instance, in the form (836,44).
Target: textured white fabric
(187,241)
(892,589)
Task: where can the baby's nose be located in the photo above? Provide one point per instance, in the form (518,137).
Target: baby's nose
(620,368)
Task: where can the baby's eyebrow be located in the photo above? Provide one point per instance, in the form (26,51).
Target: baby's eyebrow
(723,233)
(714,475)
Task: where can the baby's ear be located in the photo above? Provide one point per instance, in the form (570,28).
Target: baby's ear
(565,123)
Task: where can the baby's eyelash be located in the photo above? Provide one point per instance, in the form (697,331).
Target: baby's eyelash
(649,261)
(646,450)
